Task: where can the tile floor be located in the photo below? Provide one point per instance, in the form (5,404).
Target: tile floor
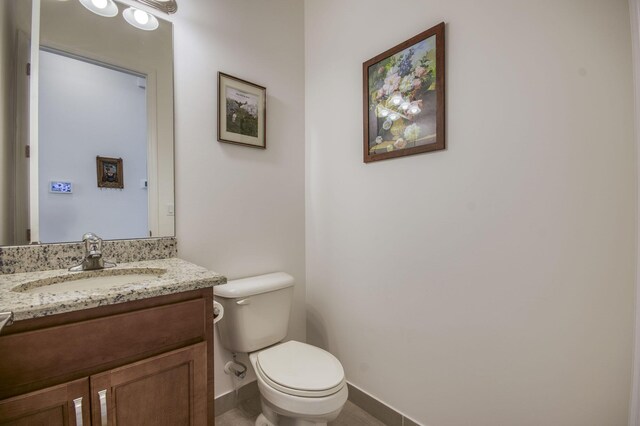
(246,414)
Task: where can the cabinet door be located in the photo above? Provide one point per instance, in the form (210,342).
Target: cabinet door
(65,404)
(168,389)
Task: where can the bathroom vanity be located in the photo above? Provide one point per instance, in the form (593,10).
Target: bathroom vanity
(127,354)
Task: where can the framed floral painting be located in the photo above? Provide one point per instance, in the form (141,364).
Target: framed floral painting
(404,89)
(241,112)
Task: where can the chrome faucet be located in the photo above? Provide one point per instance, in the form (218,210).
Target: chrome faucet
(92,254)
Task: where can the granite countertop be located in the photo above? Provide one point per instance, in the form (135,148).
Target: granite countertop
(180,276)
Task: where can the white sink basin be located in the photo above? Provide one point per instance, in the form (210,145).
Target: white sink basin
(90,280)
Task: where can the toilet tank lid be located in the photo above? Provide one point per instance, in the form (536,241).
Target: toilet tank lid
(251,286)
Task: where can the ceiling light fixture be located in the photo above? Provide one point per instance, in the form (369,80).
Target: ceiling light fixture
(106,8)
(166,6)
(140,19)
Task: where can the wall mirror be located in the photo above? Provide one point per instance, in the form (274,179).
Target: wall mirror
(86,122)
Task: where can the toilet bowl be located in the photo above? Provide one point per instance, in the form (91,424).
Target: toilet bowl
(299,384)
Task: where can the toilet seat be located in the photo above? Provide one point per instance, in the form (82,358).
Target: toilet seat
(300,369)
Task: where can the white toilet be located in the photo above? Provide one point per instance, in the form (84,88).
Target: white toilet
(300,384)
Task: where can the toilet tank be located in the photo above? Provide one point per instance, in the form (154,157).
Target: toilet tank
(256,311)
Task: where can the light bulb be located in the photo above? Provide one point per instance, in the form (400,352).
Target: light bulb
(140,19)
(384,112)
(140,16)
(106,8)
(100,4)
(405,105)
(414,110)
(394,116)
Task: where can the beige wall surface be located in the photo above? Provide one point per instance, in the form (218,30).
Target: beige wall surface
(491,283)
(7,70)
(240,210)
(634,412)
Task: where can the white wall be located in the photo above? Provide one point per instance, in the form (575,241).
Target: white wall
(240,210)
(491,283)
(74,129)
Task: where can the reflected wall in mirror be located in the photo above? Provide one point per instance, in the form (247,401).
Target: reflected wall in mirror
(98,87)
(15,35)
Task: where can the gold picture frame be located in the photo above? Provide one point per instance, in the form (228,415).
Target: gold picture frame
(110,173)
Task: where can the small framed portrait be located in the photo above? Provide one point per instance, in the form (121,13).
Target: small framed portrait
(403,98)
(242,115)
(110,173)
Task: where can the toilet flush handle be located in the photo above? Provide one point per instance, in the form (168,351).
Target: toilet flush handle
(243,302)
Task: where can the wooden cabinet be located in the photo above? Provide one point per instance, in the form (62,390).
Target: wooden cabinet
(66,404)
(139,363)
(169,389)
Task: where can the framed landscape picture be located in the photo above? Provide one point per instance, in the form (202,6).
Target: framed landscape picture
(241,112)
(403,98)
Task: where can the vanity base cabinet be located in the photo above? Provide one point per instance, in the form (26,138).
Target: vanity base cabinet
(62,405)
(153,359)
(166,390)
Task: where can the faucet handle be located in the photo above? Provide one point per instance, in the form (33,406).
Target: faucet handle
(92,244)
(90,236)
